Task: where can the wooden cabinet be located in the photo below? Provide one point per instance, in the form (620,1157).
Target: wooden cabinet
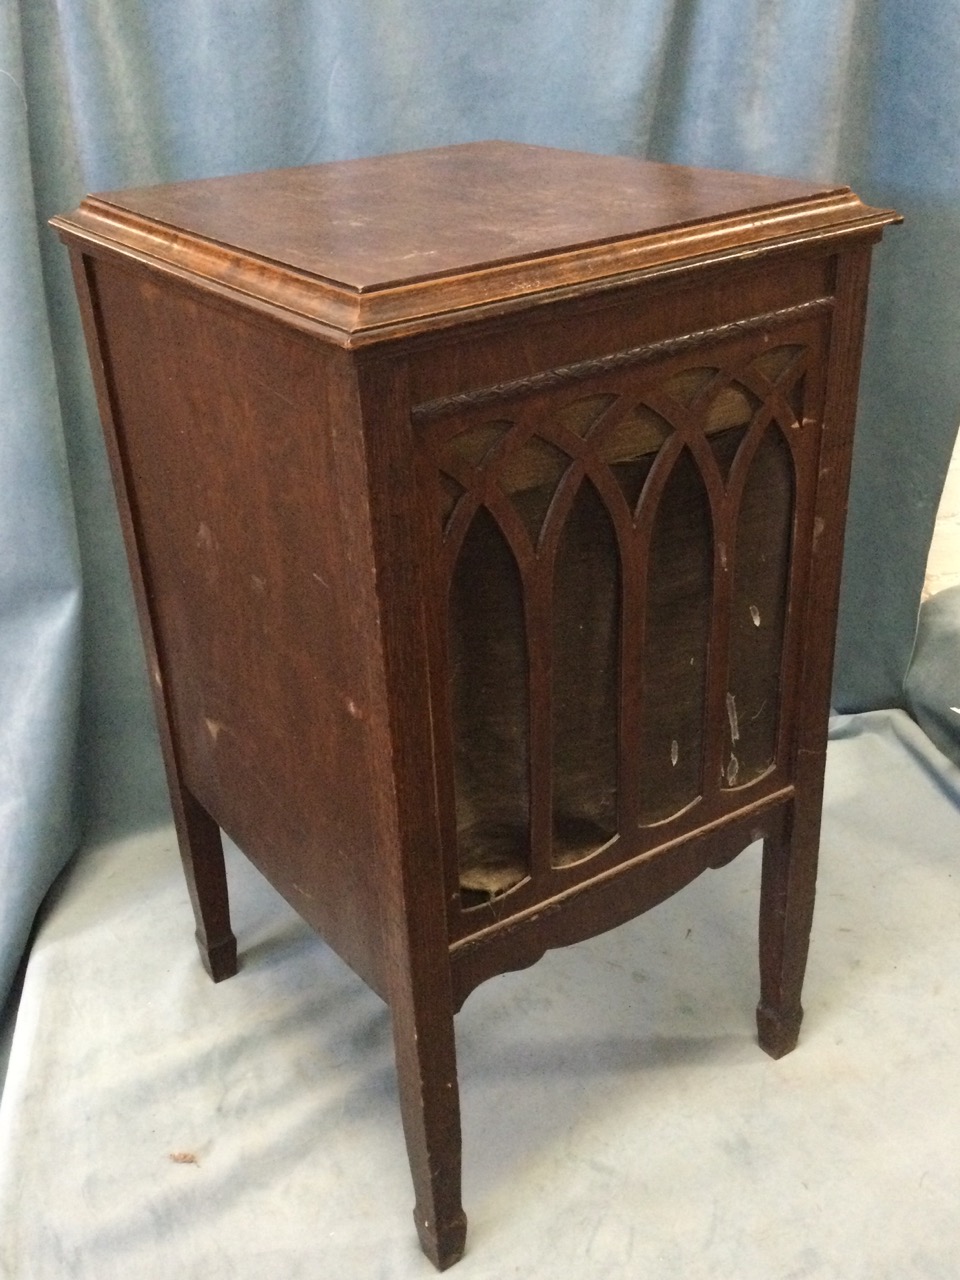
(484,508)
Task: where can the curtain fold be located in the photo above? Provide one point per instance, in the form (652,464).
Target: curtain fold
(39,571)
(99,94)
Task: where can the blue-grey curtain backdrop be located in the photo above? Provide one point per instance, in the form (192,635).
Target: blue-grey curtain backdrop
(98,94)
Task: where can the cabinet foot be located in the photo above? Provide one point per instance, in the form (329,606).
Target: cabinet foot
(443,1244)
(786,913)
(201,851)
(430,1106)
(219,958)
(776,1033)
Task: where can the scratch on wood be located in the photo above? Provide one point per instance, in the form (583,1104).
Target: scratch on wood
(273,391)
(732,717)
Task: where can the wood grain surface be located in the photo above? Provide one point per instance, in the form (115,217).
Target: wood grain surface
(369,248)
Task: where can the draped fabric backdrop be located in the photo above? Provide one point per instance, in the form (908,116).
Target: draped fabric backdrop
(99,94)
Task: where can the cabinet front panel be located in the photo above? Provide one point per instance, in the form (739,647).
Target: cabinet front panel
(621,552)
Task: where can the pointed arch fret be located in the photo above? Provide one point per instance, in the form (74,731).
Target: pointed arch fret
(675,645)
(625,506)
(490,712)
(762,496)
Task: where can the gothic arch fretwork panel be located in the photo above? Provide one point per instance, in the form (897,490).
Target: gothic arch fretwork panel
(617,556)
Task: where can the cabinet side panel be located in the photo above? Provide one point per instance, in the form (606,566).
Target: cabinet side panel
(240,451)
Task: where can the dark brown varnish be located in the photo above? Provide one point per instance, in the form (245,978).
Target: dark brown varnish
(484,508)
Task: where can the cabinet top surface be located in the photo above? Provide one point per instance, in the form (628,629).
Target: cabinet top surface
(452,227)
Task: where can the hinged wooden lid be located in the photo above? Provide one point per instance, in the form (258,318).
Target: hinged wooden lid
(365,249)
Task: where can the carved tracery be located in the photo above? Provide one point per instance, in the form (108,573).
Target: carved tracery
(616,558)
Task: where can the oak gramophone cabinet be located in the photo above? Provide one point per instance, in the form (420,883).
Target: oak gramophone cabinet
(484,507)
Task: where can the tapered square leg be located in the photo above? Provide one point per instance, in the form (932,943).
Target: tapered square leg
(201,851)
(430,1105)
(786,914)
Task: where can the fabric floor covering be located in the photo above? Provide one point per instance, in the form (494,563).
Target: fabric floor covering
(618,1118)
